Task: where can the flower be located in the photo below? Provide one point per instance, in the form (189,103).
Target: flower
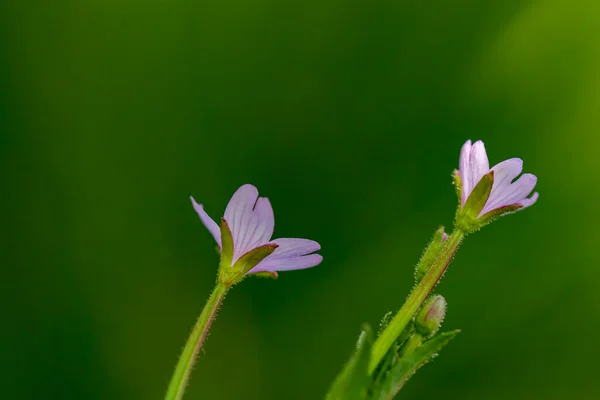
(488,193)
(248,223)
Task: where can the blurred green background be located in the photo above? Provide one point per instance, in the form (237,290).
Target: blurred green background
(349,116)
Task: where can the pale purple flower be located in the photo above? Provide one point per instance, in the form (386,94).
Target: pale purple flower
(251,221)
(507,191)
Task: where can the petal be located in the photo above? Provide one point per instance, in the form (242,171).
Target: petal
(287,264)
(291,254)
(506,171)
(504,174)
(478,163)
(512,193)
(290,247)
(259,227)
(473,165)
(530,201)
(238,215)
(250,218)
(519,190)
(463,170)
(211,225)
(239,206)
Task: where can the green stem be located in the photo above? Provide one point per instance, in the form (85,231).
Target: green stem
(415,300)
(188,357)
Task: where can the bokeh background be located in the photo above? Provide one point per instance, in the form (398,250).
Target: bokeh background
(349,116)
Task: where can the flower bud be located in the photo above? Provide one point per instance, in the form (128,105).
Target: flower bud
(431,316)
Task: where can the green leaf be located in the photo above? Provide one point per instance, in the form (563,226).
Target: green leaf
(410,363)
(391,358)
(354,381)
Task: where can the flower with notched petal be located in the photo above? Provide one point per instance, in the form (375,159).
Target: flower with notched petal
(486,194)
(244,238)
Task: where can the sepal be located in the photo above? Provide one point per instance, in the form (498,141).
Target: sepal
(493,215)
(245,263)
(254,256)
(230,274)
(226,246)
(467,216)
(265,274)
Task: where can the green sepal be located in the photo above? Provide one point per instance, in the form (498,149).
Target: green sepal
(467,216)
(354,381)
(406,366)
(266,274)
(226,246)
(254,256)
(493,215)
(232,274)
(430,254)
(245,263)
(479,196)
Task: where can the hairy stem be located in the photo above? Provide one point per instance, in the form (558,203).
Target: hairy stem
(192,348)
(418,295)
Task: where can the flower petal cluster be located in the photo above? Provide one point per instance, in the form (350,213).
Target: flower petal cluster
(486,193)
(250,222)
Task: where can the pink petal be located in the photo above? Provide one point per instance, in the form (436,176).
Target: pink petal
(473,166)
(521,188)
(288,264)
(504,174)
(530,201)
(241,202)
(464,171)
(291,254)
(506,171)
(478,163)
(260,226)
(250,218)
(208,222)
(291,247)
(511,193)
